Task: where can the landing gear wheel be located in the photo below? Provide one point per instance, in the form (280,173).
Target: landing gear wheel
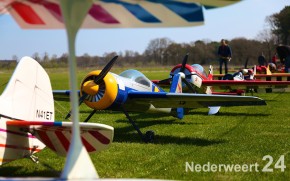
(149,136)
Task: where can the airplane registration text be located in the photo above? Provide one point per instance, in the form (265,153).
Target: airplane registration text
(44,114)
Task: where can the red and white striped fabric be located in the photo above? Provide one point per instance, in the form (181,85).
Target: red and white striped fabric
(46,14)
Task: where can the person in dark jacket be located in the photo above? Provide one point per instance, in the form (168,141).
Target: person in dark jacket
(225,55)
(283,52)
(262,60)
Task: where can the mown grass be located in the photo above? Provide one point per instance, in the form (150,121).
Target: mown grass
(237,135)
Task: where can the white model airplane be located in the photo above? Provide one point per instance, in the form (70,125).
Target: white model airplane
(27,119)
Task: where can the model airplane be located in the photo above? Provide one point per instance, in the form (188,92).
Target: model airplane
(27,118)
(273,71)
(237,83)
(131,91)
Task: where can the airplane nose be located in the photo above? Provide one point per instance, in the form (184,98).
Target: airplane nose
(90,87)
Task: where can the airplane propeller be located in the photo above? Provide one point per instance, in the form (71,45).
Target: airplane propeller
(98,80)
(182,69)
(184,61)
(105,70)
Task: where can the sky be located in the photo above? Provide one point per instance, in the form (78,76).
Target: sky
(244,19)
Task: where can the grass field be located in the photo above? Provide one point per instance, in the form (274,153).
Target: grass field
(239,136)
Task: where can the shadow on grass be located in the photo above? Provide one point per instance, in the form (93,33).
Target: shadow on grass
(125,134)
(162,139)
(232,114)
(141,121)
(13,171)
(159,115)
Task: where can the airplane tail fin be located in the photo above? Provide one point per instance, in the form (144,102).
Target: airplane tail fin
(176,87)
(268,71)
(210,77)
(210,73)
(213,109)
(28,95)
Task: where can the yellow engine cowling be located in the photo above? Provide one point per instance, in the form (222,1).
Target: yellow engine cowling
(100,96)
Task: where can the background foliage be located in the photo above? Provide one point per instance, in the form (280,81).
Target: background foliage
(163,51)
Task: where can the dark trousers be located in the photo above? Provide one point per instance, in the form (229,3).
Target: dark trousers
(223,61)
(287,64)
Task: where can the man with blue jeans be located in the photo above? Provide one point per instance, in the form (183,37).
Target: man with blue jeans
(225,54)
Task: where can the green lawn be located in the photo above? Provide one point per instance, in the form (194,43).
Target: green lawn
(237,135)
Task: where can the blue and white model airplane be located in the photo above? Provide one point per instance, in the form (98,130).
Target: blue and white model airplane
(131,91)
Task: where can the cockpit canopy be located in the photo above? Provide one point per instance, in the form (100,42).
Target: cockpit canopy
(136,76)
(199,69)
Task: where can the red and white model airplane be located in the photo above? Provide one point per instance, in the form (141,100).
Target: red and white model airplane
(237,83)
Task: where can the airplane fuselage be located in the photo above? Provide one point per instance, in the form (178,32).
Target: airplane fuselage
(116,89)
(194,74)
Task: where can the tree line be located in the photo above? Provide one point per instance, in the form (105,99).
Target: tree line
(165,52)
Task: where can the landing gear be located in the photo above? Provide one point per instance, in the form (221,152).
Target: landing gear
(91,114)
(34,158)
(148,137)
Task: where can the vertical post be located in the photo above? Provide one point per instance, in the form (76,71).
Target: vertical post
(78,163)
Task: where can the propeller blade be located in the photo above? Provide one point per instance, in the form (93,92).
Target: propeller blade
(165,81)
(68,115)
(189,85)
(91,114)
(81,100)
(106,69)
(184,63)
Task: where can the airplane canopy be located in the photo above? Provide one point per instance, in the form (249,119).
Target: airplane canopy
(199,69)
(136,76)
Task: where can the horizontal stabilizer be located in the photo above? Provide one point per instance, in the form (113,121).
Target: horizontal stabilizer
(57,135)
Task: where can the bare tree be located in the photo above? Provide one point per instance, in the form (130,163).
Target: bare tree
(268,39)
(156,49)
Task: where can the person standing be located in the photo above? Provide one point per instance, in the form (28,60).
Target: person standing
(225,55)
(283,52)
(262,60)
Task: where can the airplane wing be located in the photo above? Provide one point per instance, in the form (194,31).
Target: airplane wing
(47,14)
(268,77)
(247,84)
(274,76)
(187,100)
(57,135)
(62,95)
(174,100)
